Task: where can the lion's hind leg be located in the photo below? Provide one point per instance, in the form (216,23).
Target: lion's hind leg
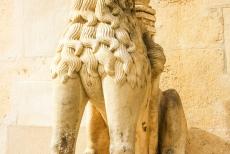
(97,132)
(173,126)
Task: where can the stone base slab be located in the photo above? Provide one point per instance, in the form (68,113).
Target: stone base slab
(34,140)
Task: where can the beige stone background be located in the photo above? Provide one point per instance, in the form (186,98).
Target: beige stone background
(195,35)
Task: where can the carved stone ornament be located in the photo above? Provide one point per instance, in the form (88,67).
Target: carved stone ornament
(107,58)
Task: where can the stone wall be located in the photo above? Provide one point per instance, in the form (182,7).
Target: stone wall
(29,33)
(195,35)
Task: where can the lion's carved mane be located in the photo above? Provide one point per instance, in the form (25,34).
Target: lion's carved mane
(103,38)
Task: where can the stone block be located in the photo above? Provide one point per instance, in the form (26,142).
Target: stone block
(226,13)
(43,23)
(32,102)
(200,27)
(10,32)
(30,69)
(3,138)
(35,140)
(20,69)
(31,31)
(189,25)
(218,3)
(198,75)
(166,17)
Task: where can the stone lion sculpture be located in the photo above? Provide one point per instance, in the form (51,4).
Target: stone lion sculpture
(107,58)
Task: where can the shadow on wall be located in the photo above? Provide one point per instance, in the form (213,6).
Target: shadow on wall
(202,142)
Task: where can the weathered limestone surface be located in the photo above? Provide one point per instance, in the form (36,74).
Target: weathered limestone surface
(28,107)
(197,59)
(210,112)
(194,34)
(218,3)
(226,14)
(16,70)
(198,143)
(27,42)
(191,25)
(42,27)
(202,142)
(36,140)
